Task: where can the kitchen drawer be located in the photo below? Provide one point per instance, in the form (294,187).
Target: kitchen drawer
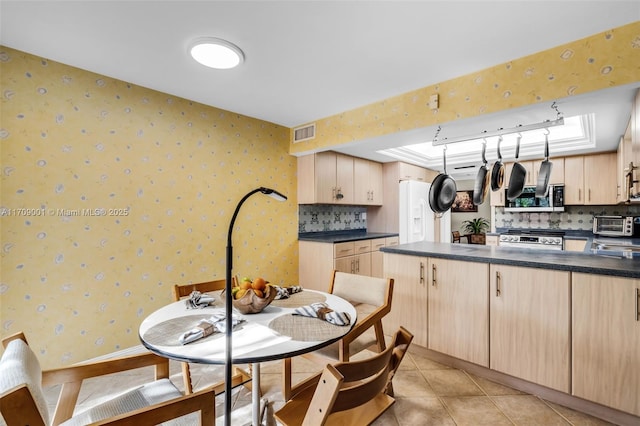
(344,249)
(363,246)
(391,241)
(378,243)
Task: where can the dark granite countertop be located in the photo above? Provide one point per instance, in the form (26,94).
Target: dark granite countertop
(546,259)
(333,237)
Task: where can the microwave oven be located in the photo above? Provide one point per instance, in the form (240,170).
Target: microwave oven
(553,201)
(617,226)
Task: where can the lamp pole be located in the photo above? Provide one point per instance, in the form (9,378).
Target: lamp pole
(228,299)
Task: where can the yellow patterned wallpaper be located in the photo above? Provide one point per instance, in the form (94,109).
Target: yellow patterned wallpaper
(608,59)
(111,193)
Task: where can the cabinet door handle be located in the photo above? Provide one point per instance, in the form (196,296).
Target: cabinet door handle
(589,194)
(434,269)
(638,304)
(333,193)
(498,279)
(353,271)
(421,273)
(358,265)
(579,194)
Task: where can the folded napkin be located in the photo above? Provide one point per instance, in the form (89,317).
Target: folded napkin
(322,311)
(198,300)
(285,292)
(217,322)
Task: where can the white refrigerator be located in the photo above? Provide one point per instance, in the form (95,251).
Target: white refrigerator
(417,221)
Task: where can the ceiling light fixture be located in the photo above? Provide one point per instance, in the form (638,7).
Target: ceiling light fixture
(216,53)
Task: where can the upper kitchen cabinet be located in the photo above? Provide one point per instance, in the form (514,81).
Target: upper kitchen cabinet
(386,217)
(325,178)
(367,182)
(590,179)
(557,171)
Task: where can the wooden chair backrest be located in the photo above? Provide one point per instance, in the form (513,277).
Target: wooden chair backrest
(21,398)
(362,289)
(455,237)
(185,290)
(348,385)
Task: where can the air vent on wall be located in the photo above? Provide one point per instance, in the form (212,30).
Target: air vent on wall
(304,133)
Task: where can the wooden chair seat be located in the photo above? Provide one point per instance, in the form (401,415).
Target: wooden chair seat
(22,400)
(349,393)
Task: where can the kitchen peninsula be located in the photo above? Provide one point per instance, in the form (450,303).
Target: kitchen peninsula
(561,325)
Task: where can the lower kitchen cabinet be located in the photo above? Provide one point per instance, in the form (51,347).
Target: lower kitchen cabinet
(530,324)
(606,340)
(409,302)
(317,260)
(458,309)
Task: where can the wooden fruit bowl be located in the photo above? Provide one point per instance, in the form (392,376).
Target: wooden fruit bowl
(251,303)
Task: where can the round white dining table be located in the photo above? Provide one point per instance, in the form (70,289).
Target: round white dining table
(275,333)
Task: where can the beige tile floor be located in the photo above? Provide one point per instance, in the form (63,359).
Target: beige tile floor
(427,393)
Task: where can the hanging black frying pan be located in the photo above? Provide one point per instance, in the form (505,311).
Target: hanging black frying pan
(497,171)
(545,170)
(482,179)
(442,193)
(518,176)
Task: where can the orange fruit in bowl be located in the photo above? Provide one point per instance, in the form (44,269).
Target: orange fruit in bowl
(245,285)
(259,284)
(258,293)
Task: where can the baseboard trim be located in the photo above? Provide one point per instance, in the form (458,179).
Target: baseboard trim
(575,403)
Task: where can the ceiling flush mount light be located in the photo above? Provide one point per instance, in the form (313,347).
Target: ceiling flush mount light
(216,53)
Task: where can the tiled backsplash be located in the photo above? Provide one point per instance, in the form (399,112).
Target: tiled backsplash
(574,217)
(325,217)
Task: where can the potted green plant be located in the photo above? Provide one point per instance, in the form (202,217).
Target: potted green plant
(476,229)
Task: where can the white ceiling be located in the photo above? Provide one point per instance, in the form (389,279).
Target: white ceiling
(306,60)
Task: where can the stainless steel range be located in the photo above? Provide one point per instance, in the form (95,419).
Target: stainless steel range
(533,239)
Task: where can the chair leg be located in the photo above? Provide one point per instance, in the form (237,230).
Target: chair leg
(286,378)
(245,377)
(379,336)
(186,377)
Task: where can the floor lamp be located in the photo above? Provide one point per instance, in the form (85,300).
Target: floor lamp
(229,306)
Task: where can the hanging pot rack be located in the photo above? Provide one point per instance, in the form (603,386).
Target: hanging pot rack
(559,121)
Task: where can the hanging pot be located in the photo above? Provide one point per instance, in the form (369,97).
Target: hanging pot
(482,179)
(542,186)
(442,193)
(518,176)
(497,171)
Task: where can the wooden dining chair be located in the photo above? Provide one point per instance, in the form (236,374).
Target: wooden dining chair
(348,393)
(455,237)
(22,401)
(371,297)
(240,376)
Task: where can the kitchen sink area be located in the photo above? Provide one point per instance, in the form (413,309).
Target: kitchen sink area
(616,248)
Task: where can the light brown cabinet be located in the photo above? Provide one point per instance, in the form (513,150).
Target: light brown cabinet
(317,260)
(367,182)
(386,217)
(574,245)
(458,317)
(606,340)
(590,179)
(325,178)
(530,324)
(353,257)
(409,307)
(377,268)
